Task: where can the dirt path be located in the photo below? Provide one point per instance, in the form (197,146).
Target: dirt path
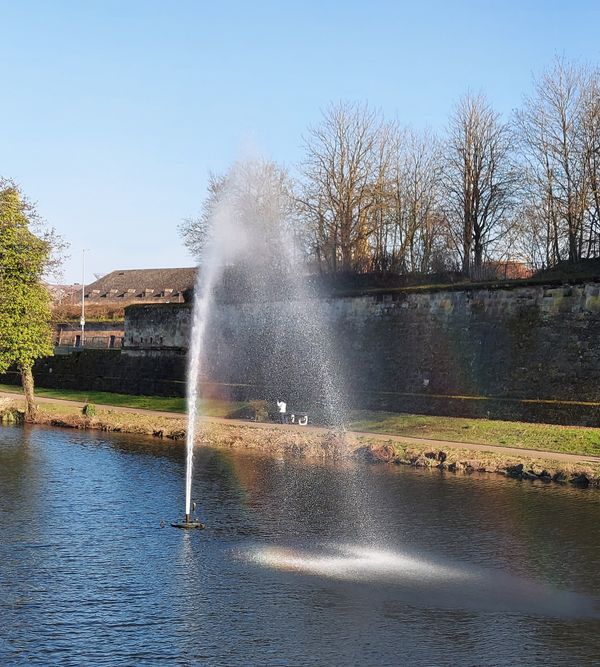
(384,437)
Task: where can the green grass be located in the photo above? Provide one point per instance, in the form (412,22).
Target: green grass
(211,407)
(164,403)
(549,437)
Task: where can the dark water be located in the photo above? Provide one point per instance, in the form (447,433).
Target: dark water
(300,565)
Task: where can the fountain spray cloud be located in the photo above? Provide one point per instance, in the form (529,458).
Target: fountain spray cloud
(226,242)
(250,257)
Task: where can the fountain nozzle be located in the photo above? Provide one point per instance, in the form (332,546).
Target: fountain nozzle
(189,522)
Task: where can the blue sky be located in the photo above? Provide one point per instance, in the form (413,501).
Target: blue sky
(114,112)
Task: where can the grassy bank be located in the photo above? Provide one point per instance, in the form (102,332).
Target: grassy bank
(173,404)
(544,437)
(320,443)
(162,403)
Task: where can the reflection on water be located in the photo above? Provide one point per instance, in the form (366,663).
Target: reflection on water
(300,564)
(356,564)
(419,580)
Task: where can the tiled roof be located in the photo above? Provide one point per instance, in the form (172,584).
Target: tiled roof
(142,284)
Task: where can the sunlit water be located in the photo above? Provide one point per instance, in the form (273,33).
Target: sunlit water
(452,571)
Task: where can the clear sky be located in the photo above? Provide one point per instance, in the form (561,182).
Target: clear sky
(113,112)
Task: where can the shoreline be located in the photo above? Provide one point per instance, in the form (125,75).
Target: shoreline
(324,444)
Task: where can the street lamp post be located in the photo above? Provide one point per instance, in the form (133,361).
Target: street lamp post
(82,320)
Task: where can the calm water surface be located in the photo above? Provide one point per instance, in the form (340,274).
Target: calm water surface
(300,565)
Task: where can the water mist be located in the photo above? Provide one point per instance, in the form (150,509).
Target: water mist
(250,254)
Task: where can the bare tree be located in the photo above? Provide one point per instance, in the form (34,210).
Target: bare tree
(527,241)
(378,253)
(479,179)
(591,148)
(343,180)
(255,186)
(195,232)
(415,202)
(558,154)
(373,197)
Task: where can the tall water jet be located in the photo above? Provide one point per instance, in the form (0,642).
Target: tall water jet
(248,250)
(208,272)
(199,321)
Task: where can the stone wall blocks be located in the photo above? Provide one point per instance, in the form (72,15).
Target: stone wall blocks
(520,342)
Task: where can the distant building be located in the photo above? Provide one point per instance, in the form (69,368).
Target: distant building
(505,270)
(107,335)
(142,286)
(105,300)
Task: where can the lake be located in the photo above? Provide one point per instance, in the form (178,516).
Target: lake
(300,564)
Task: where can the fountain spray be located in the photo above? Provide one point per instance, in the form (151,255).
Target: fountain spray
(250,245)
(223,245)
(202,299)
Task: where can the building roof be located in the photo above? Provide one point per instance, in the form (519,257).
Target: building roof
(146,285)
(508,269)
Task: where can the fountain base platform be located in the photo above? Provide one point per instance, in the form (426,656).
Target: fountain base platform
(188,523)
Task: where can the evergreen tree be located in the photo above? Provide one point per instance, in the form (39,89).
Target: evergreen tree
(25,332)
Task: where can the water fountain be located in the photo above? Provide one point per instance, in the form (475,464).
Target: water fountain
(250,250)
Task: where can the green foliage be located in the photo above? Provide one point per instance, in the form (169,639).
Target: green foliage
(89,410)
(25,333)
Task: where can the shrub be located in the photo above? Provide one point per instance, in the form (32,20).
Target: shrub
(261,410)
(89,410)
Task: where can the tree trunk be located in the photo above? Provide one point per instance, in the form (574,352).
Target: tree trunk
(466,259)
(347,244)
(477,267)
(467,245)
(573,254)
(27,382)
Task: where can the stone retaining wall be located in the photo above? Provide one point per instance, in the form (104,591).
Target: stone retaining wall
(522,352)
